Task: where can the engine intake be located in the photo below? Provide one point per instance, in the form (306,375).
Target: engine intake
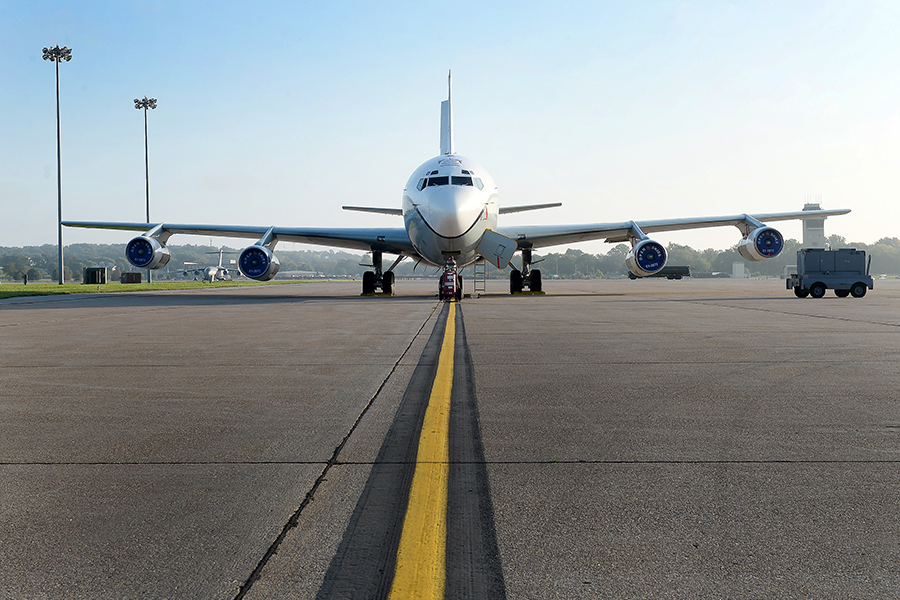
(761,243)
(258,262)
(646,258)
(147,253)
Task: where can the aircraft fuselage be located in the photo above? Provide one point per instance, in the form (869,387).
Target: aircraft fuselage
(448,203)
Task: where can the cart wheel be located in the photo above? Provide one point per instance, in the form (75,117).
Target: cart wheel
(817,290)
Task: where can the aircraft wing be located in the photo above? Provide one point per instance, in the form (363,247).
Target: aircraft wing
(538,236)
(392,240)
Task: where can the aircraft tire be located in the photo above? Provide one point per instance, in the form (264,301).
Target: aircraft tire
(515,281)
(841,293)
(459,290)
(536,283)
(368,284)
(387,284)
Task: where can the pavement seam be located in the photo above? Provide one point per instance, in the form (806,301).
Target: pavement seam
(338,463)
(795,314)
(295,518)
(649,462)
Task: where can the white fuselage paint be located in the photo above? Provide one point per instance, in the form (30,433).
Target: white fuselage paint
(449,220)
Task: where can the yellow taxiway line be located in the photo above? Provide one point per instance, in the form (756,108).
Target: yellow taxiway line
(421,557)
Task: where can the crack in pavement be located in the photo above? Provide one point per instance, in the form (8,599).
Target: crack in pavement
(295,518)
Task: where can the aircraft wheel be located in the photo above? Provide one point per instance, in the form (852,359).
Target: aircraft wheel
(801,292)
(858,290)
(459,290)
(535,280)
(841,293)
(515,281)
(387,283)
(369,282)
(817,290)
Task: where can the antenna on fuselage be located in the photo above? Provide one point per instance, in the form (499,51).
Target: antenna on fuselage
(447,119)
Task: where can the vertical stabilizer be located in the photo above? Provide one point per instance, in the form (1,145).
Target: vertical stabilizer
(447,120)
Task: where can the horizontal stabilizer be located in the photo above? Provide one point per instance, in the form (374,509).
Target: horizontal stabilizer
(515,209)
(385,211)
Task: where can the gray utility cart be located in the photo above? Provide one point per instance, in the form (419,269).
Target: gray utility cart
(845,271)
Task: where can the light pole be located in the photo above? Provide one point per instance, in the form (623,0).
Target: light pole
(145,104)
(57,54)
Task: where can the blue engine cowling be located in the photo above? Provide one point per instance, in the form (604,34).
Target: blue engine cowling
(761,243)
(147,253)
(646,258)
(258,262)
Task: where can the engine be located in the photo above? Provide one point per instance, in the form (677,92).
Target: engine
(761,243)
(258,262)
(147,253)
(646,258)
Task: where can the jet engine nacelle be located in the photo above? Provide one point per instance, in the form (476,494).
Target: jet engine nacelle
(761,243)
(258,262)
(646,258)
(147,253)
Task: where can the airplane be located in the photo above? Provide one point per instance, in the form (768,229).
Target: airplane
(450,209)
(205,274)
(210,273)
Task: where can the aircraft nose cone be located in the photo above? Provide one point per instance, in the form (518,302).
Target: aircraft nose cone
(452,210)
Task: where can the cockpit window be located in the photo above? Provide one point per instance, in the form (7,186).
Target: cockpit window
(465,180)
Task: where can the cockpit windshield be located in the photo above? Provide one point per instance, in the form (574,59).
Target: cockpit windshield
(464,180)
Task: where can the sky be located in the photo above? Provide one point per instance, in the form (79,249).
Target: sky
(279,113)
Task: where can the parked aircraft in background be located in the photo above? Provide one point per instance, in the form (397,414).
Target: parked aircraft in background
(211,273)
(451,208)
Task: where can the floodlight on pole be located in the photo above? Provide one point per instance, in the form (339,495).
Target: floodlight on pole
(145,104)
(57,55)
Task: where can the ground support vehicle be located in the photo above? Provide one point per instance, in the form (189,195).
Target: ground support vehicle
(450,287)
(846,271)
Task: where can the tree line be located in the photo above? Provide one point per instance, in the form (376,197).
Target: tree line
(42,262)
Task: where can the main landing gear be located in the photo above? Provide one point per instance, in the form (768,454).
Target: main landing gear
(450,286)
(376,280)
(527,277)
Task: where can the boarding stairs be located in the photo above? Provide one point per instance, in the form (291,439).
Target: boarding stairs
(479,277)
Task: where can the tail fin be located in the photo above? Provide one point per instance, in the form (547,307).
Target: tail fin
(447,120)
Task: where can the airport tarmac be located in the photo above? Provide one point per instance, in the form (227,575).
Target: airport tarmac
(610,439)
